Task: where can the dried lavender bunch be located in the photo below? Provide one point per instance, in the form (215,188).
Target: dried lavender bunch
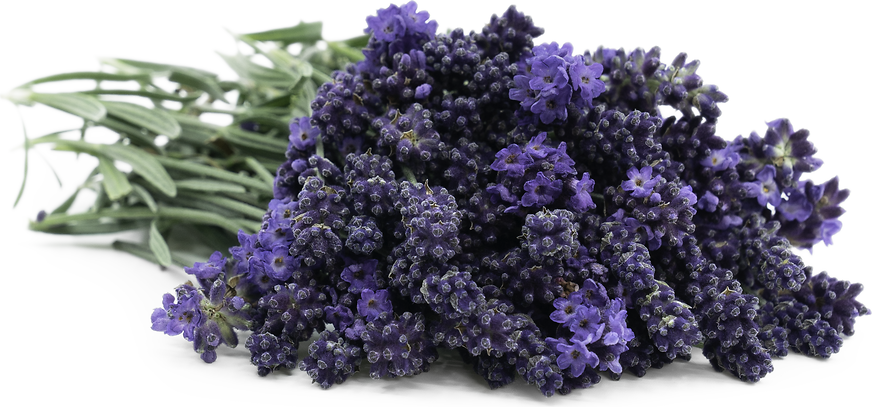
(530,207)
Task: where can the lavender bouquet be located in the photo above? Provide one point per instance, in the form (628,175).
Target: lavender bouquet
(533,207)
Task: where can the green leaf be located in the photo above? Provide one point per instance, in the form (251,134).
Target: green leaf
(191,201)
(357,42)
(91,228)
(114,181)
(49,138)
(146,94)
(301,98)
(211,237)
(101,201)
(195,131)
(227,332)
(253,140)
(156,121)
(260,170)
(144,164)
(185,215)
(212,172)
(303,32)
(138,135)
(26,161)
(345,50)
(145,196)
(285,60)
(97,76)
(195,78)
(84,106)
(126,64)
(158,246)
(146,254)
(261,74)
(65,206)
(234,205)
(207,185)
(282,100)
(320,77)
(199,82)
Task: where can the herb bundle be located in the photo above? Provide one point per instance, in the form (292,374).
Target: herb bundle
(188,176)
(562,226)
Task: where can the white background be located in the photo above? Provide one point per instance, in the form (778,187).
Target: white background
(76,313)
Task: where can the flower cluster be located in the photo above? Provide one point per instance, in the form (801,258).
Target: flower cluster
(531,208)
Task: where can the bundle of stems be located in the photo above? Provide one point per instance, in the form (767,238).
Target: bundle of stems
(173,170)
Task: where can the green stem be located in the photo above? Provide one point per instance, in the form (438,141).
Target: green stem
(319,146)
(410,176)
(177,214)
(26,159)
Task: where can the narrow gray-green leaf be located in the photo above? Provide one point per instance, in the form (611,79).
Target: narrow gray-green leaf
(97,76)
(51,168)
(207,185)
(49,138)
(101,201)
(301,97)
(137,135)
(320,77)
(253,140)
(259,169)
(234,205)
(284,60)
(192,202)
(65,206)
(261,74)
(146,254)
(156,67)
(357,42)
(345,50)
(157,121)
(143,164)
(303,32)
(199,82)
(227,333)
(146,94)
(84,106)
(145,196)
(27,145)
(195,131)
(212,172)
(185,215)
(211,236)
(26,159)
(91,228)
(158,246)
(114,181)
(193,77)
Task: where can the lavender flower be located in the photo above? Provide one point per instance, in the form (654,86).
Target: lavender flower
(532,208)
(640,183)
(575,356)
(372,304)
(303,134)
(768,189)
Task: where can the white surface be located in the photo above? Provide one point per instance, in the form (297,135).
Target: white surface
(76,313)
